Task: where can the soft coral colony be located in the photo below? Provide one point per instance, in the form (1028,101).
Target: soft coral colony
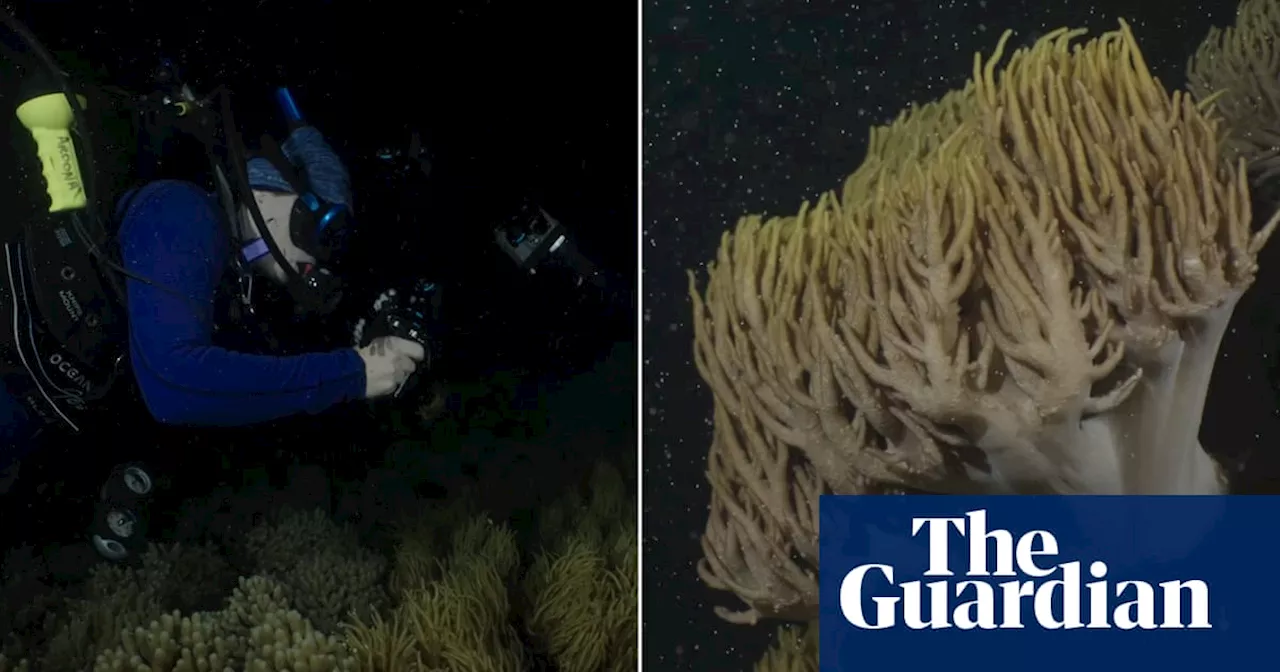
(1021,290)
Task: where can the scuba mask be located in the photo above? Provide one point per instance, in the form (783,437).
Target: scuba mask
(306,235)
(316,226)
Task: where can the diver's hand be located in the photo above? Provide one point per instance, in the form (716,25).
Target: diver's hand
(388,362)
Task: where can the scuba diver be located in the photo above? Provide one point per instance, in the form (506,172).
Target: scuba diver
(191,257)
(171,278)
(172,233)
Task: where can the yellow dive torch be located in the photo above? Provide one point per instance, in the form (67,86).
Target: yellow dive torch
(50,118)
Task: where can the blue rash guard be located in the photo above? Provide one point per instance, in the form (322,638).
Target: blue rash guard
(174,235)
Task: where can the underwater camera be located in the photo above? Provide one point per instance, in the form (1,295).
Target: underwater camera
(531,237)
(412,314)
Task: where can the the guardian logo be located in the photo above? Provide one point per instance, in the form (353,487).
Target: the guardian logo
(1029,586)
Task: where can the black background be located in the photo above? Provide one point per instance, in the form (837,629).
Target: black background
(756,105)
(513,100)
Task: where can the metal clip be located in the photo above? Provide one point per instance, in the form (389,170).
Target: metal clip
(246,290)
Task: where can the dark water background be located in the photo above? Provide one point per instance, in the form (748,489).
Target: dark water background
(756,105)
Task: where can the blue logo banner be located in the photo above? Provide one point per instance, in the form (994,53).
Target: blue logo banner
(1048,583)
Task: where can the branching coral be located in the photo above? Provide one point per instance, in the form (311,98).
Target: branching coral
(195,577)
(256,631)
(331,584)
(276,545)
(115,599)
(251,602)
(174,642)
(285,641)
(131,618)
(119,600)
(325,571)
(1022,290)
(1238,68)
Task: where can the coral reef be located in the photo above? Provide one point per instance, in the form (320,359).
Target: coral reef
(581,588)
(118,599)
(1237,69)
(255,632)
(452,591)
(324,569)
(453,610)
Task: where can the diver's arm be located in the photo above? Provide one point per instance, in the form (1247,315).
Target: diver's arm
(172,238)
